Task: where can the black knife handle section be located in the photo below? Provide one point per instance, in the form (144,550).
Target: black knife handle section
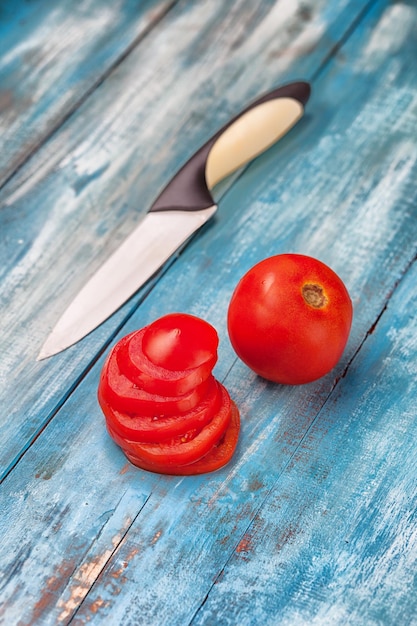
(188,190)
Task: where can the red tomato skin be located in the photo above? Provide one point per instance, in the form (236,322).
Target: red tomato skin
(280,335)
(148,429)
(136,366)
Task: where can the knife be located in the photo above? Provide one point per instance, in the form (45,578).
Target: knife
(183,206)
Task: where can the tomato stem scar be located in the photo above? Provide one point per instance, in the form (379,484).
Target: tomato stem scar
(314,295)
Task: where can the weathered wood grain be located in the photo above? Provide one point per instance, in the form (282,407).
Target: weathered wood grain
(52,56)
(69,207)
(320,477)
(341,187)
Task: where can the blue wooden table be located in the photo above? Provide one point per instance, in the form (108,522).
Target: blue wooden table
(314,520)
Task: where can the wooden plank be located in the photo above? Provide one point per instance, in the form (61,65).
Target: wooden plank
(369,222)
(52,57)
(189,528)
(69,207)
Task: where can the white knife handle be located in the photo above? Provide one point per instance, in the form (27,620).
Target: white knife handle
(254,130)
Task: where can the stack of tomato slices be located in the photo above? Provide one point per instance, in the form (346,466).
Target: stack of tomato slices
(161,402)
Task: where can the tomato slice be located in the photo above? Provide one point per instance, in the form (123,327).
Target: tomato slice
(219,455)
(161,402)
(180,341)
(169,457)
(135,365)
(151,430)
(120,393)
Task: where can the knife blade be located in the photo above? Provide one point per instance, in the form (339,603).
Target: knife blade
(184,205)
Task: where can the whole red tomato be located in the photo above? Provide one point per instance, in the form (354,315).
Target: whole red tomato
(289,318)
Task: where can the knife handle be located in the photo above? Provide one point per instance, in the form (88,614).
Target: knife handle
(246,136)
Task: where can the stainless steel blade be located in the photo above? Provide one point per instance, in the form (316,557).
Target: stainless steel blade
(145,250)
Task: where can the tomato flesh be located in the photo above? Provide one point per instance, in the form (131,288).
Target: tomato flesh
(124,395)
(176,453)
(146,429)
(179,342)
(135,365)
(289,318)
(161,402)
(219,455)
